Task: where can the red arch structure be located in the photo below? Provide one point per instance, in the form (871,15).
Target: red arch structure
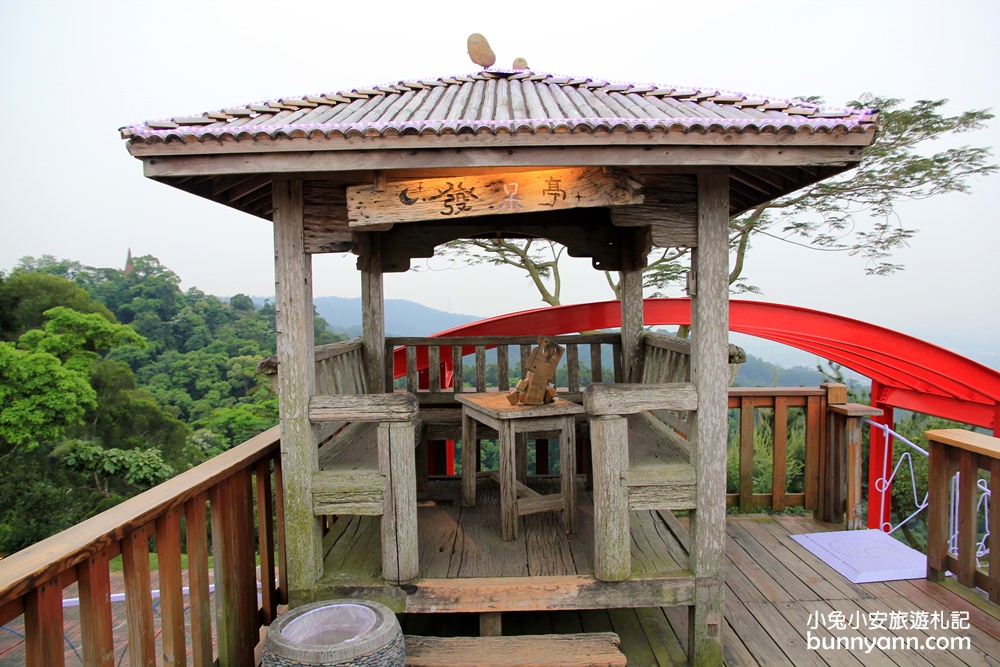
(908,373)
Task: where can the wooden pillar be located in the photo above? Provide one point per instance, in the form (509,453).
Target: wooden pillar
(634,250)
(296,383)
(612,536)
(373,311)
(399,516)
(710,373)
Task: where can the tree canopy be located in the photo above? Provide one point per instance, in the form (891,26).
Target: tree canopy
(111,380)
(855,213)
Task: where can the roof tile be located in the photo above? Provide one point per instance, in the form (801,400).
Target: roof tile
(497,101)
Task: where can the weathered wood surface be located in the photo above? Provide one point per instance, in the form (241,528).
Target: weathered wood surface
(466,543)
(669,209)
(296,381)
(609,445)
(773,586)
(511,422)
(471,195)
(399,516)
(576,650)
(710,372)
(397,407)
(626,399)
(373,307)
(348,492)
(495,405)
(669,486)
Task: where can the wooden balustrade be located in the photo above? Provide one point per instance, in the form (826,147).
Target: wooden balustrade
(340,368)
(426,359)
(747,400)
(235,491)
(967,453)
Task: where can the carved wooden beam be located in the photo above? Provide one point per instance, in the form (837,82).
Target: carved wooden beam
(474,195)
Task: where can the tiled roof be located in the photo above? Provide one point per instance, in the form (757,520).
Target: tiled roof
(497,102)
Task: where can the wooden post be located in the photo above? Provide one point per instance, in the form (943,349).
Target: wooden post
(399,516)
(138,598)
(470,461)
(373,312)
(567,472)
(96,628)
(634,250)
(612,539)
(296,383)
(843,482)
(940,469)
(233,555)
(168,550)
(709,434)
(199,596)
(508,474)
(836,394)
(43,625)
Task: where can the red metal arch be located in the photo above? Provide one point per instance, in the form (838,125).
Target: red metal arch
(909,373)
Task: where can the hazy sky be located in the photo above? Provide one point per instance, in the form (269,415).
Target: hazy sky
(74,72)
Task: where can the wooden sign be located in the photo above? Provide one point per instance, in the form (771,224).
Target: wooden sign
(489,194)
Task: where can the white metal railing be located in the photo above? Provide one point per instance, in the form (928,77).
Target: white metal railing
(883,484)
(982,509)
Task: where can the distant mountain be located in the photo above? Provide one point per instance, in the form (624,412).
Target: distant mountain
(402,317)
(759,373)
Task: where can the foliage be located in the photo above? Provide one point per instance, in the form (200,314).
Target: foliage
(39,398)
(855,213)
(111,380)
(115,468)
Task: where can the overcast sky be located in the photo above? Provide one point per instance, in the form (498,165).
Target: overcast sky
(74,72)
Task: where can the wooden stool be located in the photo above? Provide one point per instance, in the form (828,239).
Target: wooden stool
(494,410)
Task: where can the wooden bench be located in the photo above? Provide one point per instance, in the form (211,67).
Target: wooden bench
(360,479)
(592,649)
(637,464)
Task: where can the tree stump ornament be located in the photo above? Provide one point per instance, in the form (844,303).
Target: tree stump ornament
(538,385)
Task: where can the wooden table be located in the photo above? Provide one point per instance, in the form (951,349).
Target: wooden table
(510,421)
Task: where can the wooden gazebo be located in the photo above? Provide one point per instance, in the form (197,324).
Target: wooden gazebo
(608,169)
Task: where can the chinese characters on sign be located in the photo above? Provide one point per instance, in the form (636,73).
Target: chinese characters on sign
(553,190)
(511,200)
(491,193)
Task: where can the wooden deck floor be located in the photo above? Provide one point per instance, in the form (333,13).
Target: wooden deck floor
(775,592)
(462,542)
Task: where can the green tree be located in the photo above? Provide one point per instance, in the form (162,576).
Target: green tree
(115,473)
(26,296)
(855,213)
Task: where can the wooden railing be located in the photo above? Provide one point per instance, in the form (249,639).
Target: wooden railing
(232,502)
(430,361)
(967,453)
(779,400)
(340,368)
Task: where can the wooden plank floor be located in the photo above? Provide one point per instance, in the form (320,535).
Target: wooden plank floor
(778,595)
(459,542)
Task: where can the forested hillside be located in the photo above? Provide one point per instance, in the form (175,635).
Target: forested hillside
(113,380)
